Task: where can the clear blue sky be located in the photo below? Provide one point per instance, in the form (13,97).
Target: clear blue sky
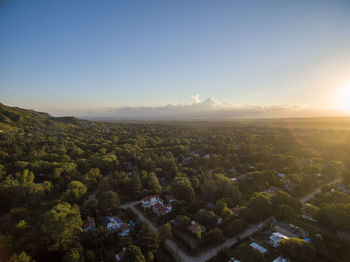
(74,54)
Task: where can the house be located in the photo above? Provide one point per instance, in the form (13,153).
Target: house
(194,227)
(121,255)
(251,166)
(272,190)
(170,199)
(207,156)
(289,185)
(232,169)
(276,237)
(195,154)
(174,222)
(234,179)
(125,230)
(159,209)
(281,259)
(89,224)
(281,175)
(289,229)
(150,201)
(112,223)
(210,206)
(344,234)
(259,248)
(235,211)
(307,212)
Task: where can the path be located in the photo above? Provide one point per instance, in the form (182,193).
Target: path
(318,190)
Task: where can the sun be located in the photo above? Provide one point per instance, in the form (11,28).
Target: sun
(343,99)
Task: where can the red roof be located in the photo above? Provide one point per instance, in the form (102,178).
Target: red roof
(194,227)
(121,255)
(89,222)
(125,226)
(160,208)
(148,198)
(169,197)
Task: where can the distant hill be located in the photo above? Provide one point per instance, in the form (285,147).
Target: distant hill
(15,117)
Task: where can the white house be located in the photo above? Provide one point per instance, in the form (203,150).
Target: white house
(256,246)
(112,223)
(276,237)
(280,259)
(150,201)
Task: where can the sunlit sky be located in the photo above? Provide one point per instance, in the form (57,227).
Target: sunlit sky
(66,55)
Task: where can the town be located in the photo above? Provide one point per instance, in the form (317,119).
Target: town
(171,192)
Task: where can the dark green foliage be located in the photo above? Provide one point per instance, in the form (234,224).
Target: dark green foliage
(134,254)
(147,239)
(297,250)
(108,199)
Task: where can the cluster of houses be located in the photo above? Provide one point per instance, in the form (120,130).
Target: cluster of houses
(111,223)
(278,231)
(157,205)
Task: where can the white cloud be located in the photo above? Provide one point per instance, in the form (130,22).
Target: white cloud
(209,109)
(195,99)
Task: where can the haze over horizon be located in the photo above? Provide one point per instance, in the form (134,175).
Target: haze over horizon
(171,60)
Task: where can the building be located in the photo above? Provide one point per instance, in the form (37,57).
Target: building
(194,227)
(121,255)
(235,211)
(89,224)
(281,259)
(289,229)
(259,248)
(170,199)
(276,237)
(150,201)
(112,223)
(281,175)
(159,209)
(272,190)
(289,185)
(307,212)
(125,230)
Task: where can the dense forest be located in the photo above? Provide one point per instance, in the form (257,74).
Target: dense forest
(56,171)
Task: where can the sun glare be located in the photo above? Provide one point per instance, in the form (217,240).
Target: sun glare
(343,99)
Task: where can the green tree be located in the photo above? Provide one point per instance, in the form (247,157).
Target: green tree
(134,254)
(207,218)
(22,257)
(285,213)
(297,250)
(182,189)
(213,236)
(184,221)
(75,191)
(72,255)
(108,199)
(147,239)
(165,231)
(60,226)
(90,256)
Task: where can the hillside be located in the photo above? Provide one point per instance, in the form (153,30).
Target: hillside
(15,118)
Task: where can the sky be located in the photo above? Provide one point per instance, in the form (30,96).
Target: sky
(87,57)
